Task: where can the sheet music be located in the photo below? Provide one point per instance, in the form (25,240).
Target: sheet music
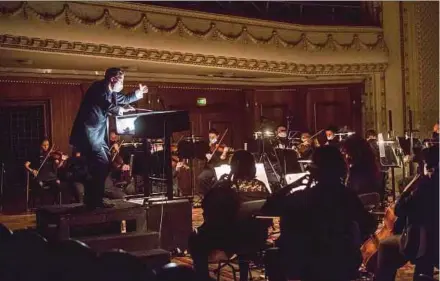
(261,173)
(381,145)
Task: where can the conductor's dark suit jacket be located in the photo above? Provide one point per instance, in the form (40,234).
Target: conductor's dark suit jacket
(89,132)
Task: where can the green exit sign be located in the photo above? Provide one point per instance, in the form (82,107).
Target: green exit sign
(201,101)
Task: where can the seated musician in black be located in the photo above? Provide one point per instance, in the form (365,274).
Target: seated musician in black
(221,230)
(74,173)
(331,138)
(418,206)
(363,168)
(43,170)
(214,158)
(322,226)
(371,137)
(281,140)
(307,146)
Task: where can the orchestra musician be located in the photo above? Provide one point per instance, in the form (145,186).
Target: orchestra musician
(418,205)
(371,138)
(43,168)
(332,140)
(89,132)
(363,169)
(223,228)
(217,155)
(307,146)
(74,173)
(281,140)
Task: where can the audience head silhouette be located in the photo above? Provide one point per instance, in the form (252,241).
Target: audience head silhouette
(359,153)
(328,165)
(243,165)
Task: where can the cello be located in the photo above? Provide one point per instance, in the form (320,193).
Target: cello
(370,247)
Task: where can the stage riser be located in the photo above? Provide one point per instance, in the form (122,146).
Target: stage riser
(129,242)
(176,222)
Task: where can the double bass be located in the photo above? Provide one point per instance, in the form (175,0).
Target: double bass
(370,247)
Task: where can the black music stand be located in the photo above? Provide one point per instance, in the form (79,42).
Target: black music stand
(288,161)
(160,124)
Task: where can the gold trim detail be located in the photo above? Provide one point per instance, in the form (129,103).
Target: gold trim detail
(211,33)
(89,49)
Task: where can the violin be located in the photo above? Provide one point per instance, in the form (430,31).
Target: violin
(221,148)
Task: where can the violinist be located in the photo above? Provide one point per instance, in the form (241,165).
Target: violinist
(74,173)
(330,134)
(43,168)
(216,156)
(218,151)
(307,146)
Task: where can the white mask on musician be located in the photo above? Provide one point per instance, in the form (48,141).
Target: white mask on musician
(118,87)
(282,135)
(212,141)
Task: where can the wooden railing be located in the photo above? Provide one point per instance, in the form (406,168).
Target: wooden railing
(353,13)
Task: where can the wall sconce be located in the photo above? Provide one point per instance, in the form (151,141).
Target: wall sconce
(247,104)
(256,104)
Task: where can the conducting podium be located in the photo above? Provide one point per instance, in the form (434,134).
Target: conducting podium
(154,125)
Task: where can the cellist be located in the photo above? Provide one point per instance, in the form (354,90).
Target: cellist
(418,205)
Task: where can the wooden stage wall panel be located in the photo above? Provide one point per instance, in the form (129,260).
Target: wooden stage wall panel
(239,109)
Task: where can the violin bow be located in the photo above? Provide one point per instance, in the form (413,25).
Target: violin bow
(219,142)
(45,159)
(117,152)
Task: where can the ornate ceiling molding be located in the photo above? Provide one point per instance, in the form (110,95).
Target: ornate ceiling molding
(161,56)
(141,21)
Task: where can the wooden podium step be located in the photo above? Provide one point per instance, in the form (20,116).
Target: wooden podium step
(129,242)
(155,258)
(57,222)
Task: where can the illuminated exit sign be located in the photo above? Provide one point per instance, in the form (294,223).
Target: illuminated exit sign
(201,101)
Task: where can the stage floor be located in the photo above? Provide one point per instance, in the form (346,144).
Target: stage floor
(28,220)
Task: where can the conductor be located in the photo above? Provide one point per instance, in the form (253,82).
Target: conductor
(89,133)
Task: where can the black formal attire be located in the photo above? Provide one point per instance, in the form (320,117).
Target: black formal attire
(363,181)
(75,174)
(333,142)
(322,229)
(207,177)
(224,230)
(420,209)
(383,170)
(89,135)
(47,176)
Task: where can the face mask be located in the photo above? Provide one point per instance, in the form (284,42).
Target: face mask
(330,137)
(282,135)
(118,87)
(213,140)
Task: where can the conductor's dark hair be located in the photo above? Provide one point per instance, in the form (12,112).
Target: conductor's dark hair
(113,72)
(213,131)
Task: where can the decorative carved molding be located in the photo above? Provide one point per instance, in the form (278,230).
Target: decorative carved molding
(211,32)
(81,48)
(427,44)
(383,104)
(420,64)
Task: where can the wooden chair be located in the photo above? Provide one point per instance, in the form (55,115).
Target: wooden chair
(222,259)
(30,187)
